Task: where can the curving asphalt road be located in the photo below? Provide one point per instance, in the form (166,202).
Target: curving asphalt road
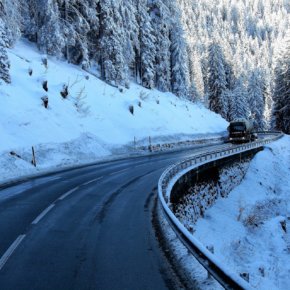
(87,228)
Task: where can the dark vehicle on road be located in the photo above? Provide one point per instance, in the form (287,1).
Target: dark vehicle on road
(241,130)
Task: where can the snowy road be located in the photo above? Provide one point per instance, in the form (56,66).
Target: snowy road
(87,228)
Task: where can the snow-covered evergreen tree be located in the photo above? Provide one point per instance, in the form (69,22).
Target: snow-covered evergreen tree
(49,35)
(78,19)
(256,99)
(160,13)
(179,58)
(217,83)
(281,110)
(146,60)
(239,101)
(4,61)
(195,74)
(11,13)
(113,64)
(131,28)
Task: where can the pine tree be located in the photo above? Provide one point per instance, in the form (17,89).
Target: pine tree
(256,99)
(146,59)
(50,39)
(11,14)
(4,62)
(195,74)
(281,98)
(162,22)
(131,28)
(113,64)
(217,83)
(179,58)
(78,19)
(239,101)
(45,26)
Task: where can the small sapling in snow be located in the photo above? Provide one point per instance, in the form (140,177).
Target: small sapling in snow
(140,104)
(143,95)
(210,248)
(64,91)
(30,71)
(80,102)
(45,62)
(262,271)
(45,101)
(127,85)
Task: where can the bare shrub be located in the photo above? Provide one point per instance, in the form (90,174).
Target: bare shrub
(263,211)
(45,62)
(45,101)
(241,209)
(80,102)
(64,91)
(143,95)
(252,220)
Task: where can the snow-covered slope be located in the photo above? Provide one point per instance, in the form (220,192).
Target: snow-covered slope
(91,122)
(250,229)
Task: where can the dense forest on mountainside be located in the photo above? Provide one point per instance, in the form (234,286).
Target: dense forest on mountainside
(231,55)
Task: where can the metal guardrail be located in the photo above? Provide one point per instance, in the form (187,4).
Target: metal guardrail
(227,278)
(268,132)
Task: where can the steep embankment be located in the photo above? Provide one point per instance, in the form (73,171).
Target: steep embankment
(249,229)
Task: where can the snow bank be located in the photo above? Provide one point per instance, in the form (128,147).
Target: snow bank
(91,122)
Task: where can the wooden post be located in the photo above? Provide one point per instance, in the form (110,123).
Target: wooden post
(33,157)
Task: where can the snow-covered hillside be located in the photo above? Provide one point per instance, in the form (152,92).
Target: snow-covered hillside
(250,229)
(92,122)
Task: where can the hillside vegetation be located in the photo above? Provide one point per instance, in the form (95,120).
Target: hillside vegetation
(226,54)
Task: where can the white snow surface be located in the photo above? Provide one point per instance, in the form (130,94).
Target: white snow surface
(72,131)
(246,227)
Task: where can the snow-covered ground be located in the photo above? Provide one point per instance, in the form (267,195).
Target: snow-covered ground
(92,122)
(250,229)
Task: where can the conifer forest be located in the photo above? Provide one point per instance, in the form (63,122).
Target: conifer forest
(231,55)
